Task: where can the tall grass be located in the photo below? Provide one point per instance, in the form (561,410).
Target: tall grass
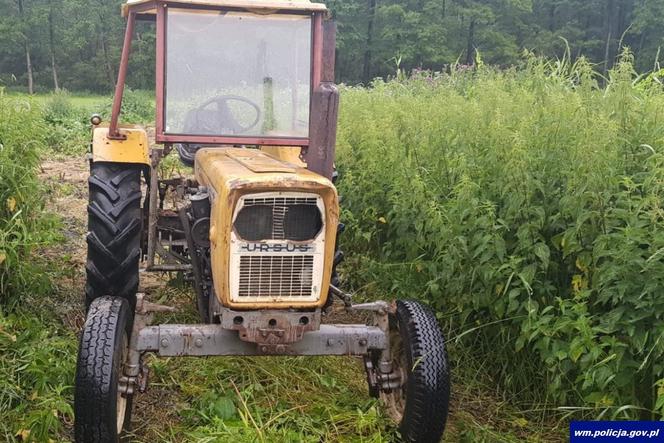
(22,135)
(35,355)
(527,207)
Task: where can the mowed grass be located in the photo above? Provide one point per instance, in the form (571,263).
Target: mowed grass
(302,399)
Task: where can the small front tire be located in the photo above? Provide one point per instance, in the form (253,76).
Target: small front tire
(420,406)
(101,412)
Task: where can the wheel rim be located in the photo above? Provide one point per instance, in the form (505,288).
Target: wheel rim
(395,401)
(121,400)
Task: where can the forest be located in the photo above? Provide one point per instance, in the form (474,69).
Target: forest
(75,44)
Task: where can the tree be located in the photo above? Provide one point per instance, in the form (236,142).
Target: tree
(77,43)
(51,42)
(646,32)
(371,16)
(23,22)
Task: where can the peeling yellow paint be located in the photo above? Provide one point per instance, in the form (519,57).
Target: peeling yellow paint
(229,179)
(134,149)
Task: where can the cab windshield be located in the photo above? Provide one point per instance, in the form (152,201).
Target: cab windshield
(237,74)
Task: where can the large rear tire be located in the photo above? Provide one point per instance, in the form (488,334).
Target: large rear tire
(114,231)
(421,404)
(102,414)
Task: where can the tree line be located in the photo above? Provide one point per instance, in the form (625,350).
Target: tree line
(76,44)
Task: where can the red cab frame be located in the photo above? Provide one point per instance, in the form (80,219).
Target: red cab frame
(323,98)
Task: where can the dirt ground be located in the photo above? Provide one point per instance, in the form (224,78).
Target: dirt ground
(67,181)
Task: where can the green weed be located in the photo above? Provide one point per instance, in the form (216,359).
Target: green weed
(275,399)
(35,356)
(22,226)
(137,107)
(36,367)
(68,130)
(525,206)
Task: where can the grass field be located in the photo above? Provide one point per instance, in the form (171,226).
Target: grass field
(524,206)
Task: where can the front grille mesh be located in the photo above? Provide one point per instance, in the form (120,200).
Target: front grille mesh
(260,224)
(276,276)
(280,201)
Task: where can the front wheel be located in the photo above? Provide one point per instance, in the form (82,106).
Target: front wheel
(102,412)
(420,404)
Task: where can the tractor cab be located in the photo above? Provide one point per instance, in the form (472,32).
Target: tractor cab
(240,73)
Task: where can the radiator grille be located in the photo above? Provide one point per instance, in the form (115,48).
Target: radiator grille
(279,218)
(276,276)
(280,201)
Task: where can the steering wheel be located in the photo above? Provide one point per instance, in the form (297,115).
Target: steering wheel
(213,120)
(214,117)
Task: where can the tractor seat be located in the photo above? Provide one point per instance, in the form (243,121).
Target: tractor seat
(203,121)
(187,152)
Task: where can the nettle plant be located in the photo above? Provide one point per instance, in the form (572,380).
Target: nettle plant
(526,207)
(22,225)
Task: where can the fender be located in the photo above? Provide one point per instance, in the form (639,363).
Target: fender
(134,149)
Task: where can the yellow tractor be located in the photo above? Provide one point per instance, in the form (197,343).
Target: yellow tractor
(245,94)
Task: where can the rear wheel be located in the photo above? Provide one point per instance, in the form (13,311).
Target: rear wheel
(420,405)
(114,231)
(102,409)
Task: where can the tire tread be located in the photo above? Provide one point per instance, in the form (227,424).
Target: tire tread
(428,386)
(114,231)
(94,401)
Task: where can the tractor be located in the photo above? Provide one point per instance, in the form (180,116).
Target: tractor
(245,95)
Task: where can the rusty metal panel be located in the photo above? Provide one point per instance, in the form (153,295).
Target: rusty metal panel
(329,50)
(289,154)
(227,180)
(270,326)
(323,130)
(160,70)
(320,153)
(317,50)
(257,161)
